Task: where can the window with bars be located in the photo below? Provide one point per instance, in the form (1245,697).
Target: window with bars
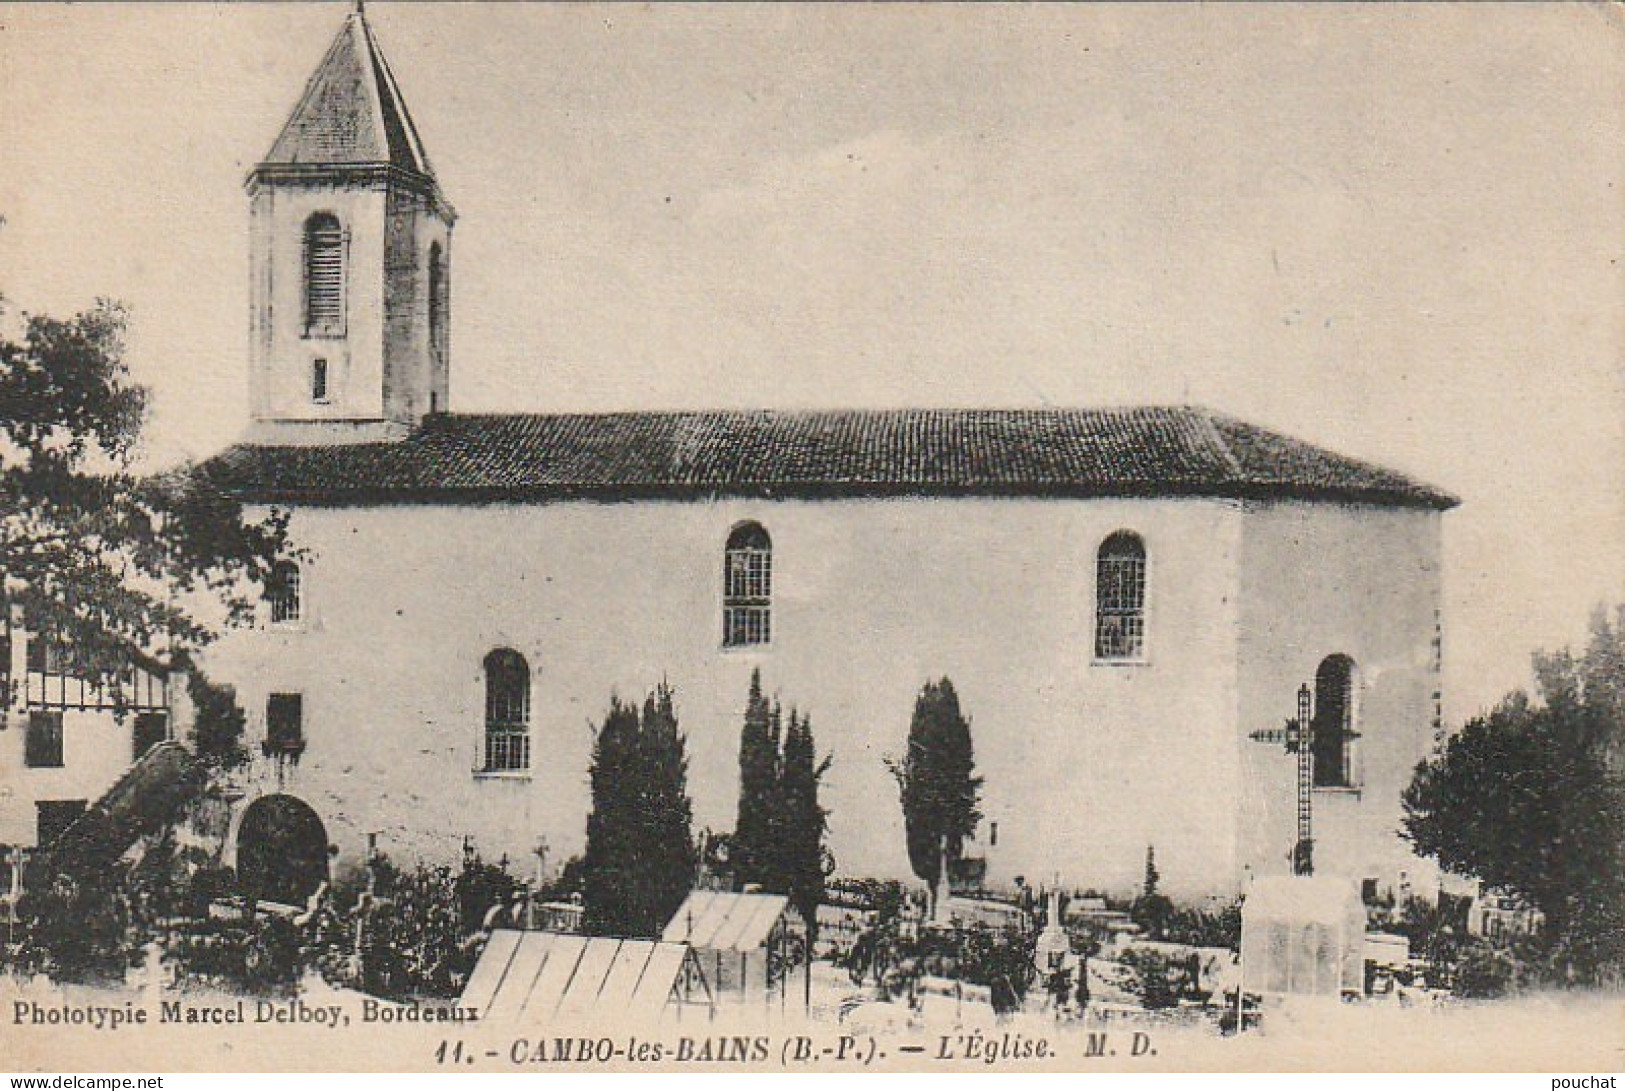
(318,379)
(283,594)
(324,276)
(42,748)
(1120,598)
(747,587)
(1334,734)
(285,724)
(507,712)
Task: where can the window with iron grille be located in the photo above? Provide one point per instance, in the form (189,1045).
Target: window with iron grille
(747,587)
(324,276)
(318,379)
(1120,598)
(285,724)
(42,749)
(507,712)
(1333,741)
(282,594)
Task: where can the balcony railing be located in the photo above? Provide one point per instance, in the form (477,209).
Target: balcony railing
(138,691)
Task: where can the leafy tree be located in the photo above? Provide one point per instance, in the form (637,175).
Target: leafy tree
(804,820)
(1530,799)
(640,858)
(936,779)
(106,562)
(750,850)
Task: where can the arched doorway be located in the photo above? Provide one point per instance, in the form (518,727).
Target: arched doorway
(281,850)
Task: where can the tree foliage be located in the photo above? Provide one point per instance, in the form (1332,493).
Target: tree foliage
(778,840)
(805,819)
(218,723)
(107,562)
(1530,799)
(1152,910)
(941,795)
(640,858)
(751,851)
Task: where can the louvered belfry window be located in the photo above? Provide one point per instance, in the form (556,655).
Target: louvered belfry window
(324,276)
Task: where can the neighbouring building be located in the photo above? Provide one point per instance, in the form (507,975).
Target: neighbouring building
(64,740)
(1121,596)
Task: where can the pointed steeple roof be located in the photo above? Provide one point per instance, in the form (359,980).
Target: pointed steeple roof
(352,113)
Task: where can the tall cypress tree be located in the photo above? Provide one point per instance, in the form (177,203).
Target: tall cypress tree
(758,780)
(940,793)
(804,820)
(668,818)
(770,874)
(611,852)
(639,863)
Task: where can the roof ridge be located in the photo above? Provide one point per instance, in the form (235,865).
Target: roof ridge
(821,454)
(357,20)
(805,411)
(1211,426)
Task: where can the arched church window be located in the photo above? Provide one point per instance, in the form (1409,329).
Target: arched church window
(283,594)
(324,275)
(1120,597)
(437,301)
(747,587)
(1333,744)
(507,712)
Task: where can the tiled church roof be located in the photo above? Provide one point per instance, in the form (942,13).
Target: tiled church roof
(351,113)
(694,455)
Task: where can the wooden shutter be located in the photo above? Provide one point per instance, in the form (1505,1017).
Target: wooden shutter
(324,276)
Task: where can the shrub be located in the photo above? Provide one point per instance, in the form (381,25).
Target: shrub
(1157,979)
(480,886)
(1205,928)
(1485,971)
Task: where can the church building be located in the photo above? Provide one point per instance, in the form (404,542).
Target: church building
(1121,596)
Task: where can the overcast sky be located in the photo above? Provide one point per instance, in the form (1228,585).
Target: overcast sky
(1395,231)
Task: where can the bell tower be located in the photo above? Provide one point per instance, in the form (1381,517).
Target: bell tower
(350,262)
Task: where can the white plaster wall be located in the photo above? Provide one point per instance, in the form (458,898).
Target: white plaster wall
(413,383)
(1317,579)
(1085,764)
(281,354)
